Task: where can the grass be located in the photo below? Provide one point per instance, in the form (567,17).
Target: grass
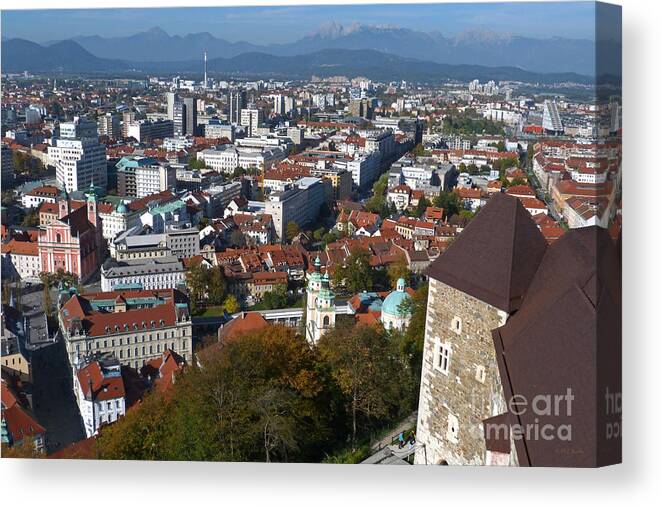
(349,457)
(212,311)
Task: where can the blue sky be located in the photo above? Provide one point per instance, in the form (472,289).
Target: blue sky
(264,25)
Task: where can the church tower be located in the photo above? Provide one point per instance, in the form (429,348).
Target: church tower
(320,306)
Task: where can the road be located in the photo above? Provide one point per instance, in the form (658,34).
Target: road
(53,399)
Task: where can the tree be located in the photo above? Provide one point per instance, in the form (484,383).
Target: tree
(399,269)
(356,275)
(237,239)
(411,341)
(319,233)
(196,281)
(257,398)
(419,210)
(275,299)
(195,163)
(231,304)
(217,286)
(31,218)
(292,229)
(450,202)
(372,377)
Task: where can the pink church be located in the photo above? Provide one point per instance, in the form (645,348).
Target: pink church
(73,242)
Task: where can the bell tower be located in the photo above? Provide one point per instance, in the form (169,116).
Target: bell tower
(314,286)
(325,309)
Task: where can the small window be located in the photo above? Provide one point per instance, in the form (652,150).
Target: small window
(442,359)
(480,373)
(453,429)
(456,325)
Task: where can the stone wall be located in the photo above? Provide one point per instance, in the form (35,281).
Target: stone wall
(455,400)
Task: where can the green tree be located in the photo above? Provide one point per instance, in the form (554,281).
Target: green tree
(216,284)
(275,299)
(450,202)
(411,340)
(319,233)
(196,281)
(356,274)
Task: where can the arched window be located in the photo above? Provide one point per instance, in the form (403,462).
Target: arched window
(58,238)
(326,321)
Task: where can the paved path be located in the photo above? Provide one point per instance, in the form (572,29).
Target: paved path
(406,424)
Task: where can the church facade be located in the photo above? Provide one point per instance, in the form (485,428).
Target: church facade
(73,242)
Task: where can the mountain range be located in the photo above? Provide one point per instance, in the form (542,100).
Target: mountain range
(70,57)
(476,47)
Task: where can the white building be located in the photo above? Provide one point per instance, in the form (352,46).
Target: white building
(177,143)
(36,196)
(79,163)
(227,157)
(251,118)
(299,203)
(152,179)
(100,393)
(20,259)
(150,274)
(109,125)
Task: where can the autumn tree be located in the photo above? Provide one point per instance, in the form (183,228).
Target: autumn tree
(231,304)
(375,381)
(292,229)
(399,269)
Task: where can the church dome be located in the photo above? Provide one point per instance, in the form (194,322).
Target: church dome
(391,305)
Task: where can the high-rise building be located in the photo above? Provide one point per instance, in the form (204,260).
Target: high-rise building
(108,125)
(251,118)
(551,121)
(154,178)
(128,118)
(78,157)
(7,167)
(79,128)
(237,101)
(190,111)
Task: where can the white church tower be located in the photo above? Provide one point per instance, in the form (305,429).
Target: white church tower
(320,307)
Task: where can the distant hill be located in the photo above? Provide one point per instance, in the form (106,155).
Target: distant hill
(69,56)
(374,65)
(475,47)
(19,55)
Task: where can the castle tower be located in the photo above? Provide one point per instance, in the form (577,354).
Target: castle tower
(474,287)
(320,306)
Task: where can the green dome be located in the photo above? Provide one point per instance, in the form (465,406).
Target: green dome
(121,208)
(391,305)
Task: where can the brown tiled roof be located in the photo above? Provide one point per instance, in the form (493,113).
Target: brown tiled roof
(567,335)
(244,323)
(496,255)
(103,388)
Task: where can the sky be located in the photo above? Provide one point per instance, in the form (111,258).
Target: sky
(266,25)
